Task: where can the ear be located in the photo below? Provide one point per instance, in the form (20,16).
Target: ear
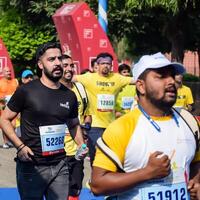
(40,65)
(22,80)
(140,85)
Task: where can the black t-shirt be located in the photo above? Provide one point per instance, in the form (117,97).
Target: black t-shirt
(42,106)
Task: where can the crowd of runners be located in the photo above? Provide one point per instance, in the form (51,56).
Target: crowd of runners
(141,139)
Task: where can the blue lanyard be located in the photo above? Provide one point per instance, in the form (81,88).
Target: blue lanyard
(155,125)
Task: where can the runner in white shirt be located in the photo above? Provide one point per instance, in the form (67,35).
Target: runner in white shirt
(153,143)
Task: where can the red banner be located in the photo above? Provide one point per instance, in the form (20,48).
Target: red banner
(5,59)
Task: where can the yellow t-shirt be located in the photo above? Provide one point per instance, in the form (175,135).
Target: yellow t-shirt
(102,92)
(184,97)
(70,144)
(125,99)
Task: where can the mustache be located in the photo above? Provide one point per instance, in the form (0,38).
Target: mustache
(66,72)
(57,68)
(171,89)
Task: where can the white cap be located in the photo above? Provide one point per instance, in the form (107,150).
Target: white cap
(155,61)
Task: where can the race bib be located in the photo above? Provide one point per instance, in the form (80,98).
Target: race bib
(52,138)
(105,102)
(127,103)
(167,192)
(173,187)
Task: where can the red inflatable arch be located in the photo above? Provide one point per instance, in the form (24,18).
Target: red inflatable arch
(5,59)
(79,30)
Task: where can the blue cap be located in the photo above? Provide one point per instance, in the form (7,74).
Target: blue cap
(26,73)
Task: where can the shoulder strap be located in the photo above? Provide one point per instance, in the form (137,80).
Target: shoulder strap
(110,154)
(191,122)
(82,92)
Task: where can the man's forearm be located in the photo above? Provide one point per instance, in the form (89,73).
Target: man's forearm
(114,182)
(79,136)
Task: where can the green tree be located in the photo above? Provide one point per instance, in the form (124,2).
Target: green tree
(175,27)
(22,31)
(26,24)
(141,26)
(22,41)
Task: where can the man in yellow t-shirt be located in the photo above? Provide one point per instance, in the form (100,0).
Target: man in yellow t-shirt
(8,85)
(75,166)
(126,97)
(102,88)
(153,144)
(184,95)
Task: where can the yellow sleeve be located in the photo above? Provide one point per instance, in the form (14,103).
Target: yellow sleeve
(124,80)
(116,137)
(83,78)
(189,97)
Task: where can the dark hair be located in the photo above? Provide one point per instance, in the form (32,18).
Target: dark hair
(41,50)
(64,56)
(44,47)
(104,55)
(85,71)
(93,61)
(124,66)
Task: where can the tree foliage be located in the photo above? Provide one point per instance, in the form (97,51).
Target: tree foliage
(156,25)
(23,29)
(170,5)
(176,24)
(145,26)
(22,41)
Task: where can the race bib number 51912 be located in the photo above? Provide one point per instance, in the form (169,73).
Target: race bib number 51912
(171,192)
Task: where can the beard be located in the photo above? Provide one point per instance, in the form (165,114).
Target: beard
(163,102)
(68,76)
(106,71)
(50,75)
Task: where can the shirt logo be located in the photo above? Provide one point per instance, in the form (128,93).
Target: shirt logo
(65,105)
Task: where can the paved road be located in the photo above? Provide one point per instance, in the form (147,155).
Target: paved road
(7,167)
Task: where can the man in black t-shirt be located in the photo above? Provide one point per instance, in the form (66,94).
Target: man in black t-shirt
(48,111)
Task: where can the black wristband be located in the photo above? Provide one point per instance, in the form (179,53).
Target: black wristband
(20,145)
(20,149)
(87,126)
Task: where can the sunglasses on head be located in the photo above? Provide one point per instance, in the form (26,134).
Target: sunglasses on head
(105,63)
